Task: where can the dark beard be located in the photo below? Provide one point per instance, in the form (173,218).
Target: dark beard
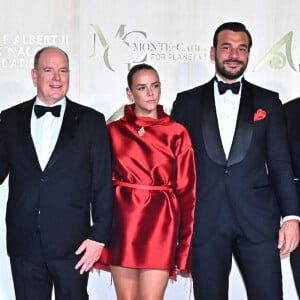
(228,75)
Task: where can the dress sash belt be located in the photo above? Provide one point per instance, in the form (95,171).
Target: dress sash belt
(144,187)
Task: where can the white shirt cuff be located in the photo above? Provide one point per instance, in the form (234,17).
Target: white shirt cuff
(291,217)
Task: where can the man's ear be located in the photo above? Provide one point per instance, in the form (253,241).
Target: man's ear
(34,76)
(212,54)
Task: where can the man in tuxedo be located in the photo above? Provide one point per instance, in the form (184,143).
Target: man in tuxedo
(244,177)
(57,155)
(292,110)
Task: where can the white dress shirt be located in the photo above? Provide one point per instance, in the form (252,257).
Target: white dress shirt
(227,107)
(45,131)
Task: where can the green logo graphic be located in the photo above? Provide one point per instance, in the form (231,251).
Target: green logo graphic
(121,41)
(280,54)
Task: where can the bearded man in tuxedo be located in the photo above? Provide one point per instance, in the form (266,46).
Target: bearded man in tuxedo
(244,175)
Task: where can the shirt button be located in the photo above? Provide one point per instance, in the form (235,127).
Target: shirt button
(227,171)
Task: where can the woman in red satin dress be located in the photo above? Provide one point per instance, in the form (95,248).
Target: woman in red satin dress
(154,177)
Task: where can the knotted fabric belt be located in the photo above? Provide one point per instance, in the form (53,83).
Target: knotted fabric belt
(144,187)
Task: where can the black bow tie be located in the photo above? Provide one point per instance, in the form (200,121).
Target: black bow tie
(234,87)
(40,110)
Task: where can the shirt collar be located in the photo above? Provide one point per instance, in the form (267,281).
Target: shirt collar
(237,80)
(62,102)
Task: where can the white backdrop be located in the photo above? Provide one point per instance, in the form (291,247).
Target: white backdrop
(103,38)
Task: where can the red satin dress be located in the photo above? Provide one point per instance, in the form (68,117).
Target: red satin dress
(154,176)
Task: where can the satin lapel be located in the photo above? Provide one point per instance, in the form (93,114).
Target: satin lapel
(244,127)
(210,127)
(67,132)
(26,143)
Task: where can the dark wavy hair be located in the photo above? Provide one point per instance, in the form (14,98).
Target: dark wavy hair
(233,26)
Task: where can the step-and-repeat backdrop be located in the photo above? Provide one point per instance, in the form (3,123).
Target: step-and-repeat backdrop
(104,38)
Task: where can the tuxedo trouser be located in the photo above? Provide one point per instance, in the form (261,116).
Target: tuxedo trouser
(295,265)
(259,264)
(35,275)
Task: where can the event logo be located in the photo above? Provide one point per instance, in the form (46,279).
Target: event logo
(130,47)
(280,54)
(121,36)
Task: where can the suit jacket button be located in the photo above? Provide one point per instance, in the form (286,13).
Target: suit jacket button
(44,179)
(227,171)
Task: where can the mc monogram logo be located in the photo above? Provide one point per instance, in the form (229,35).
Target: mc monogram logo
(121,43)
(280,54)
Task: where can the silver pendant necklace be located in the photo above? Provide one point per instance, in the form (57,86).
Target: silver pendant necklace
(141,131)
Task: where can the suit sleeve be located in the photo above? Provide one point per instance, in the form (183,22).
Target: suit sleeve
(102,194)
(186,194)
(279,163)
(292,113)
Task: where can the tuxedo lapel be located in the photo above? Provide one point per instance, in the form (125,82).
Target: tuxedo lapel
(24,119)
(244,127)
(210,128)
(68,128)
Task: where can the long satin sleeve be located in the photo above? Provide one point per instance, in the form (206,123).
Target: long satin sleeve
(186,195)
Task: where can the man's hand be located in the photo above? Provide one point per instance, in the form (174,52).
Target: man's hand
(288,237)
(92,253)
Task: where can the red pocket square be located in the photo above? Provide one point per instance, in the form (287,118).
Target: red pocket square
(260,114)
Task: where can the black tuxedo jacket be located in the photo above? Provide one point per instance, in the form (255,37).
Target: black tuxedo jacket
(75,184)
(292,110)
(256,178)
